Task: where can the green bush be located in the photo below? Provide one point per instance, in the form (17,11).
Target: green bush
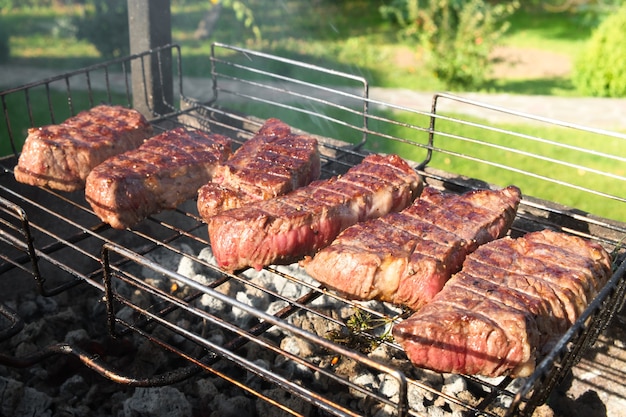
(600,69)
(457,35)
(105,25)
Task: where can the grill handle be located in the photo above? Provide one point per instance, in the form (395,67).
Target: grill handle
(98,364)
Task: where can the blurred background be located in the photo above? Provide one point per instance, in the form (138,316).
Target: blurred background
(558,47)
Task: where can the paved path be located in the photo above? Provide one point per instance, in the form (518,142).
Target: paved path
(598,113)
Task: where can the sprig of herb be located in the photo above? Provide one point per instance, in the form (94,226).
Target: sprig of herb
(360,330)
(615,254)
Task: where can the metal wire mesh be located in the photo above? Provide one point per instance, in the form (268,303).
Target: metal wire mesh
(57,239)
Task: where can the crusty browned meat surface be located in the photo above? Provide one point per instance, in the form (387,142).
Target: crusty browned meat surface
(162,173)
(61,156)
(273,162)
(288,227)
(407,257)
(512,300)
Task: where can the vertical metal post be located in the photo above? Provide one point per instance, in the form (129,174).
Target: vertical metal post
(149,23)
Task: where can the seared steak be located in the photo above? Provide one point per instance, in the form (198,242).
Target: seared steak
(61,156)
(162,173)
(407,257)
(288,227)
(512,300)
(274,162)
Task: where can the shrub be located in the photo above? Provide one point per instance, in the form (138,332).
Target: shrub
(457,35)
(105,25)
(600,69)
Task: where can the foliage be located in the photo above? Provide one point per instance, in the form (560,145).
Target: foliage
(573,6)
(457,35)
(600,69)
(360,332)
(12,4)
(243,13)
(588,13)
(349,36)
(5,49)
(105,25)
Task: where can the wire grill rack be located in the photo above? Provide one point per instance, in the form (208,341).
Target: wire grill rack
(56,239)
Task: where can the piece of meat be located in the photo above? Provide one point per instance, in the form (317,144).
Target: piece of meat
(512,300)
(273,162)
(162,173)
(61,156)
(288,227)
(407,257)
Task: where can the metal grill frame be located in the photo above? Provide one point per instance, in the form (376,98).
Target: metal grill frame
(113,258)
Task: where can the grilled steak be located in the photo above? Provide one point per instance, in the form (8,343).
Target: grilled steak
(508,305)
(162,173)
(61,156)
(288,227)
(407,257)
(274,162)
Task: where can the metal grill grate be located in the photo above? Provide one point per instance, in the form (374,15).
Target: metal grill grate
(55,237)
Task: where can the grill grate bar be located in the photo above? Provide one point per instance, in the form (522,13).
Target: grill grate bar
(227,351)
(348,125)
(523,115)
(267,320)
(11,322)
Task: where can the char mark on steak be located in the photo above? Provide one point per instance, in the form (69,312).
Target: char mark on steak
(273,162)
(288,227)
(512,300)
(165,171)
(407,257)
(61,156)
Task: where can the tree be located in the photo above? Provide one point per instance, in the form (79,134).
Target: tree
(600,69)
(105,25)
(243,13)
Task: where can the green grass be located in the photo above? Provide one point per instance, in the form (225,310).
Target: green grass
(504,159)
(44,38)
(562,32)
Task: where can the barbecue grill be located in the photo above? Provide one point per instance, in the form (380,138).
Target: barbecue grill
(160,284)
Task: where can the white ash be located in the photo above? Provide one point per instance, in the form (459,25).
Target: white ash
(76,337)
(73,388)
(389,387)
(157,402)
(384,384)
(453,385)
(19,400)
(80,320)
(263,408)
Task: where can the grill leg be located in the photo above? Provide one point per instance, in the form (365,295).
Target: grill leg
(149,23)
